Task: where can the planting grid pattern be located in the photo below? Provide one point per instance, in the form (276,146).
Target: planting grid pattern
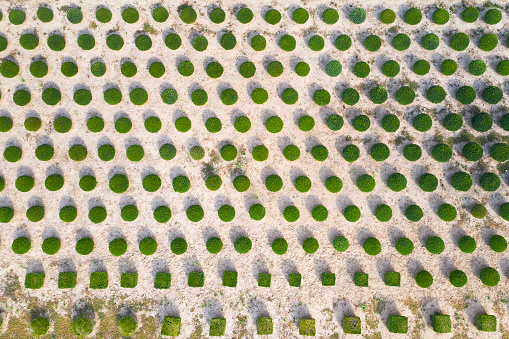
(285,304)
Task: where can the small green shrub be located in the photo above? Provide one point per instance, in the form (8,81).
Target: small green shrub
(74,15)
(340,243)
(153,124)
(230,279)
(447,212)
(428,182)
(352,213)
(380,151)
(24,183)
(56,42)
(401,42)
(307,327)
(405,95)
(241,183)
(196,279)
(361,123)
(217,327)
(258,43)
(372,246)
(103,15)
(178,246)
(17,17)
(138,96)
(173,41)
(365,183)
(275,68)
(488,42)
(272,16)
(330,16)
(128,69)
(486,323)
(187,14)
(489,182)
(470,14)
(477,67)
(498,243)
(373,43)
(412,152)
(21,97)
(390,123)
(264,324)
(247,69)
(170,326)
(361,69)
(489,276)
(390,68)
(378,95)
(291,213)
(273,183)
(112,96)
(435,94)
(151,182)
(413,213)
(334,122)
(86,42)
(156,69)
(82,97)
(413,16)
(458,278)
(35,213)
(279,246)
(260,153)
(195,213)
(441,323)
(226,213)
(127,325)
(51,245)
(160,14)
(28,41)
(183,124)
(440,16)
(289,96)
(214,245)
(319,153)
(478,211)
(461,181)
(320,213)
(242,124)
(424,279)
(117,247)
(274,124)
(84,246)
(435,245)
(387,16)
(396,182)
(228,152)
(422,122)
(135,153)
(181,184)
(430,41)
(69,69)
(257,212)
(316,43)
(39,327)
(12,153)
(306,123)
(300,16)
(217,15)
(404,246)
(162,214)
(453,121)
(31,124)
(287,43)
(361,279)
(328,279)
(460,42)
(169,96)
(421,67)
(34,280)
(503,67)
(499,152)
(213,182)
(51,96)
(38,69)
(259,96)
(333,68)
(441,152)
(291,152)
(350,96)
(197,152)
(492,95)
(358,15)
(243,245)
(68,213)
(302,69)
(21,245)
(87,183)
(82,325)
(245,15)
(392,279)
(199,97)
(115,42)
(493,16)
(228,41)
(343,42)
(9,69)
(333,184)
(54,182)
(119,183)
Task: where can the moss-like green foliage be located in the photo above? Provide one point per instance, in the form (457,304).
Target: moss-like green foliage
(160,14)
(440,16)
(241,183)
(294,279)
(119,183)
(68,213)
(230,279)
(138,96)
(401,42)
(489,182)
(17,17)
(499,152)
(82,325)
(340,243)
(259,95)
(228,41)
(69,69)
(289,96)
(330,16)
(343,42)
(291,213)
(243,245)
(333,68)
(9,69)
(453,121)
(28,41)
(424,279)
(413,213)
(31,124)
(441,152)
(34,280)
(378,95)
(197,152)
(316,43)
(226,213)
(247,69)
(21,97)
(274,124)
(461,181)
(390,123)
(435,245)
(273,183)
(195,213)
(162,214)
(39,327)
(366,183)
(178,246)
(422,122)
(86,42)
(151,182)
(242,124)
(260,153)
(56,42)
(397,323)
(245,15)
(127,325)
(458,278)
(228,152)
(300,16)
(275,68)
(272,16)
(390,68)
(489,276)
(74,15)
(413,16)
(54,182)
(291,152)
(51,245)
(115,42)
(477,67)
(430,41)
(170,326)
(195,279)
(397,182)
(156,69)
(493,16)
(118,247)
(504,122)
(214,245)
(98,69)
(361,69)
(129,213)
(352,213)
(478,211)
(372,246)
(405,95)
(258,43)
(498,243)
(447,212)
(460,41)
(82,97)
(441,323)
(35,213)
(213,182)
(412,152)
(383,213)
(24,183)
(306,123)
(217,327)
(436,94)
(328,279)
(421,67)
(112,96)
(199,97)
(87,183)
(392,279)
(153,124)
(320,213)
(85,246)
(387,16)
(173,41)
(6,124)
(488,42)
(21,245)
(51,96)
(183,124)
(187,14)
(39,69)
(95,124)
(257,212)
(264,324)
(12,153)
(143,42)
(350,96)
(169,96)
(78,152)
(380,151)
(361,123)
(181,184)
(467,244)
(307,327)
(404,246)
(287,43)
(352,324)
(103,15)
(135,153)
(98,280)
(217,15)
(302,184)
(503,67)
(319,153)
(470,14)
(492,95)
(279,246)
(358,15)
(361,279)
(428,182)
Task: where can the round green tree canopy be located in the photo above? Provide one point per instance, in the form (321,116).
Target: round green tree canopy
(387,16)
(103,15)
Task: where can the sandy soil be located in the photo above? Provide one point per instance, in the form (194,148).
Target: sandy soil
(283,303)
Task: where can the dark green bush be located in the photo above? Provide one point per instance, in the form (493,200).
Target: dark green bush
(486,323)
(28,41)
(279,246)
(118,247)
(372,246)
(330,16)
(103,15)
(489,182)
(228,152)
(51,245)
(489,276)
(333,184)
(119,183)
(390,123)
(151,183)
(321,97)
(413,16)
(361,279)
(453,121)
(17,17)
(275,68)
(273,183)
(351,153)
(214,245)
(421,67)
(358,15)
(98,69)
(35,213)
(215,70)
(21,97)
(447,212)
(272,16)
(138,96)
(68,213)
(143,42)
(397,323)
(373,43)
(34,280)
(503,67)
(291,152)
(82,325)
(86,42)
(488,42)
(361,123)
(435,245)
(181,184)
(333,68)
(9,69)
(39,326)
(24,183)
(260,153)
(392,279)
(436,94)
(397,182)
(498,243)
(302,69)
(380,151)
(352,213)
(245,15)
(264,324)
(135,153)
(424,279)
(387,16)
(334,122)
(230,279)
(31,124)
(274,124)
(114,42)
(378,95)
(87,183)
(352,324)
(412,152)
(157,70)
(226,213)
(440,16)
(228,41)
(112,96)
(287,43)
(173,41)
(319,153)
(361,69)
(39,69)
(217,327)
(217,15)
(300,16)
(461,181)
(162,214)
(477,67)
(258,43)
(197,152)
(56,42)
(404,246)
(127,325)
(97,214)
(213,182)
(441,152)
(54,182)
(200,43)
(328,279)
(153,124)
(478,211)
(241,183)
(365,183)
(310,245)
(458,278)
(319,213)
(178,246)
(160,14)
(413,213)
(243,245)
(82,97)
(340,243)
(187,14)
(129,213)
(195,213)
(259,96)
(470,14)
(74,15)
(448,67)
(422,122)
(289,96)
(390,68)
(12,153)
(316,43)
(21,245)
(51,96)
(405,95)
(428,182)
(85,246)
(493,16)
(460,41)
(350,96)
(247,69)
(401,42)
(441,323)
(69,69)
(500,152)
(343,42)
(291,213)
(257,212)
(492,95)
(504,122)
(430,41)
